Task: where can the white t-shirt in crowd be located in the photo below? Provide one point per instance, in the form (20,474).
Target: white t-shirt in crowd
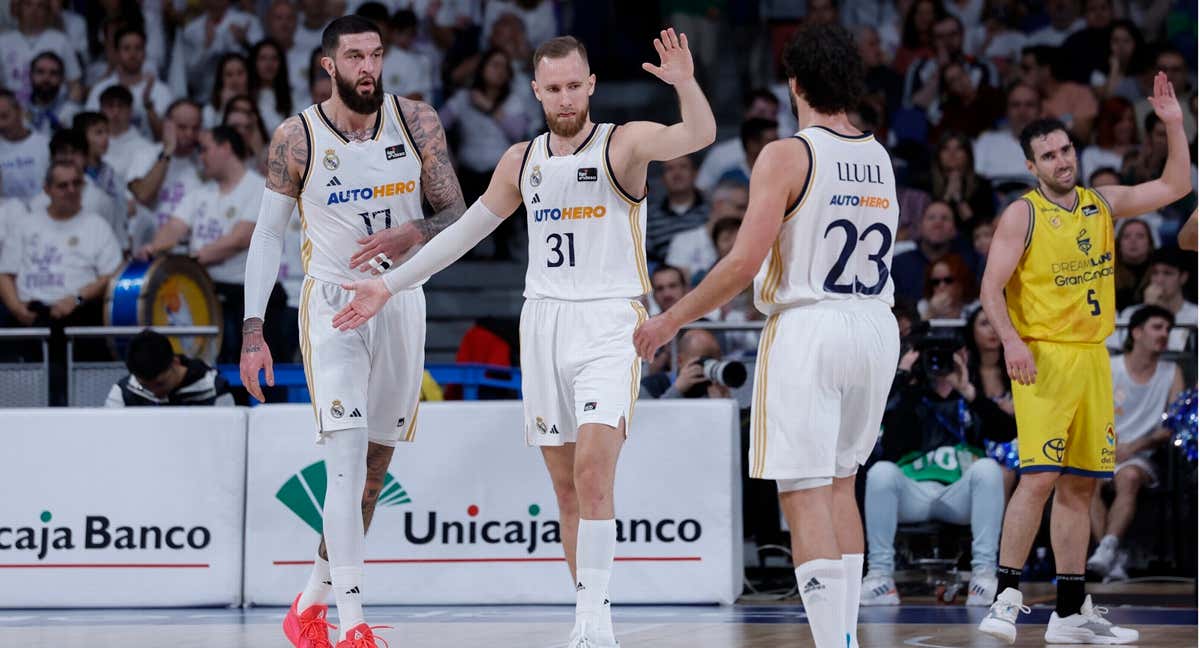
(998,157)
(1094,158)
(17,51)
(53,259)
(724,157)
(406,72)
(160,96)
(1176,340)
(23,165)
(108,203)
(266,107)
(212,214)
(128,152)
(200,57)
(692,250)
(540,23)
(11,211)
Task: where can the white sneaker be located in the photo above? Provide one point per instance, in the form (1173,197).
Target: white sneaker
(982,590)
(878,589)
(1118,573)
(1001,621)
(1101,560)
(584,635)
(1088,627)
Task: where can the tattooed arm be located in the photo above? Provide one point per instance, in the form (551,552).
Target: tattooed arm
(438,182)
(286,161)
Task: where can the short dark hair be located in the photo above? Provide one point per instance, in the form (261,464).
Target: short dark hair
(47,55)
(1169,257)
(755,127)
(670,268)
(126,30)
(60,164)
(558,47)
(184,101)
(1143,315)
(724,225)
(828,71)
(345,26)
(9,95)
(117,93)
(1101,171)
(68,140)
(403,19)
(227,135)
(373,11)
(758,93)
(86,120)
(150,353)
(1039,128)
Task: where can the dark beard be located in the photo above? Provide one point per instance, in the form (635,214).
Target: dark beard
(368,105)
(44,94)
(567,129)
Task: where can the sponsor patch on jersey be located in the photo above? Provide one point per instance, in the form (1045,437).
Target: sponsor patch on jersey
(535,176)
(589,406)
(1090,210)
(396,151)
(587,174)
(331,160)
(848,200)
(370,193)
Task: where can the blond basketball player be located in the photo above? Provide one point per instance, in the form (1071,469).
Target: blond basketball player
(356,166)
(587,268)
(818,232)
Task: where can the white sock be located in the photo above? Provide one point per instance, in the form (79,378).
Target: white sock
(1109,542)
(316,592)
(594,551)
(605,629)
(852,564)
(347,590)
(823,590)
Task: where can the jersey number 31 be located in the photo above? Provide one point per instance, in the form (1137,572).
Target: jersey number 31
(852,240)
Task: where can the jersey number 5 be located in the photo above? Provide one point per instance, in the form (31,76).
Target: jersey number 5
(1093,302)
(852,240)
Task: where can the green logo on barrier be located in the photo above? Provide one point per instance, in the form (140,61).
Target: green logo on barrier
(304,494)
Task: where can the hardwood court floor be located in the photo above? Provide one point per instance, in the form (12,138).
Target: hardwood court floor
(740,626)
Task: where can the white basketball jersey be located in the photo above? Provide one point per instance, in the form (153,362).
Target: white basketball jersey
(836,241)
(354,189)
(586,233)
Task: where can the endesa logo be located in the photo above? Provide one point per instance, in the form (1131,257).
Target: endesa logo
(873,202)
(569,213)
(367,193)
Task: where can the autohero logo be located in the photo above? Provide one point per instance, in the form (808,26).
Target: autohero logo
(100,532)
(578,212)
(304,495)
(363,194)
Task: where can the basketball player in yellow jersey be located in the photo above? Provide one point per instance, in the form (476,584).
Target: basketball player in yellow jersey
(1048,290)
(587,269)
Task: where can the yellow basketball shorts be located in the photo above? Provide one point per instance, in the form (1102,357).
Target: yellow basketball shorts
(1065,419)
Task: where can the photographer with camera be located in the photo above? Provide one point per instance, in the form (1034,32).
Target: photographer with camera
(933,464)
(701,374)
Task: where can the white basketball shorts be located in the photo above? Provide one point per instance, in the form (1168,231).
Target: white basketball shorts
(578,366)
(823,376)
(367,377)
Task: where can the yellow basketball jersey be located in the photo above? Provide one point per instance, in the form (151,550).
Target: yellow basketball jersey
(1062,290)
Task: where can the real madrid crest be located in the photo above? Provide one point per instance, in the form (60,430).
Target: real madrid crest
(535,176)
(336,409)
(331,160)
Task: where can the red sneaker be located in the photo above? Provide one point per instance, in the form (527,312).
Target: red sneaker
(362,636)
(308,629)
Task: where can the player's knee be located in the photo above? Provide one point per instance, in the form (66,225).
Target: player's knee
(1038,484)
(884,475)
(1127,482)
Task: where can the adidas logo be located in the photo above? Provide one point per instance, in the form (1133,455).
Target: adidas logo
(333,182)
(353,590)
(355,414)
(400,422)
(536,200)
(304,494)
(579,587)
(813,585)
(605,601)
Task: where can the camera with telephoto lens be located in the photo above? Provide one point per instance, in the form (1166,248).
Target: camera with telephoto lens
(727,373)
(937,347)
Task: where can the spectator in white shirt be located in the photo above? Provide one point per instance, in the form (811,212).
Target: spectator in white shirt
(270,84)
(538,16)
(1163,286)
(407,72)
(220,30)
(755,134)
(1064,21)
(998,155)
(33,36)
(127,148)
(218,224)
(693,250)
(24,155)
(730,153)
(49,107)
(167,177)
(104,192)
(150,96)
(241,113)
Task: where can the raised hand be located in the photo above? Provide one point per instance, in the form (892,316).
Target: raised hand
(369,297)
(675,59)
(1166,106)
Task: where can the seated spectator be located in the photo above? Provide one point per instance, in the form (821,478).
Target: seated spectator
(1089,45)
(964,105)
(1126,49)
(270,83)
(683,207)
(150,97)
(998,38)
(916,36)
(49,108)
(951,291)
(692,250)
(103,190)
(407,71)
(726,160)
(695,346)
(724,233)
(1064,21)
(1143,386)
(1116,137)
(1046,69)
(538,17)
(24,154)
(989,375)
(937,237)
(933,467)
(1135,242)
(33,35)
(159,376)
(998,154)
(923,80)
(127,148)
(166,178)
(1163,286)
(231,79)
(667,286)
(981,241)
(1172,62)
(220,30)
(242,115)
(956,183)
(884,86)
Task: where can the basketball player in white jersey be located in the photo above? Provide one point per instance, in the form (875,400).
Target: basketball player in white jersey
(817,241)
(587,268)
(356,166)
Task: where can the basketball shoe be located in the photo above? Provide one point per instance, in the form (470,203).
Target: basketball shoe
(982,590)
(307,629)
(362,636)
(584,635)
(878,589)
(1087,627)
(1001,620)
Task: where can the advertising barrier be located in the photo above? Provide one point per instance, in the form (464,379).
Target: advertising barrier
(467,514)
(122,508)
